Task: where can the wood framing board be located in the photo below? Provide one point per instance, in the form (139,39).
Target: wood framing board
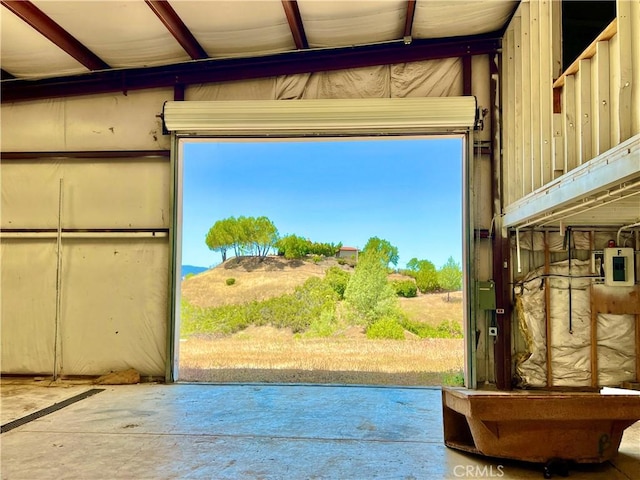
(547,309)
(509,117)
(525,47)
(600,92)
(635,63)
(545,54)
(569,120)
(583,111)
(614,92)
(520,161)
(616,166)
(536,161)
(559,164)
(622,62)
(556,39)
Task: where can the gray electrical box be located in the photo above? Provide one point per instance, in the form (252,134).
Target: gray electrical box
(486,292)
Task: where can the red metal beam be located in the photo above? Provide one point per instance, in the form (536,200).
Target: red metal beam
(292,12)
(177,28)
(233,69)
(466,75)
(408,24)
(35,17)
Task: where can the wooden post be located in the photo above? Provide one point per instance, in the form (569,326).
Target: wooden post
(547,307)
(594,337)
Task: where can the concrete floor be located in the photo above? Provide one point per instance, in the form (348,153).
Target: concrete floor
(185,431)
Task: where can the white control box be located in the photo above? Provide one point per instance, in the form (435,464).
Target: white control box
(618,267)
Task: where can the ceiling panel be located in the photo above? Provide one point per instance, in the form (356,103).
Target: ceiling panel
(436,19)
(331,24)
(122,33)
(227,28)
(129,37)
(25,53)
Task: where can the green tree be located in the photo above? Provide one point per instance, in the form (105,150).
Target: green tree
(293,246)
(425,274)
(369,294)
(220,236)
(450,277)
(388,253)
(259,235)
(245,235)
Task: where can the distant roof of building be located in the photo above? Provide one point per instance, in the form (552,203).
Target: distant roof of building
(351,249)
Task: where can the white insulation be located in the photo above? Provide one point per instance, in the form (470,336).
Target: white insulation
(570,326)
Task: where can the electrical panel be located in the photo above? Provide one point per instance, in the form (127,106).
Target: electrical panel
(619,269)
(486,295)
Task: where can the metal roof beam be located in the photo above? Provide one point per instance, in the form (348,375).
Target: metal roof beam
(177,28)
(408,24)
(37,19)
(294,18)
(4,75)
(233,69)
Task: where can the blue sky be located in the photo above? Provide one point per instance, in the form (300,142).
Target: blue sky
(406,191)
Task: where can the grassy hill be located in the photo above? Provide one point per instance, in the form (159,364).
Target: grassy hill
(255,279)
(268,277)
(265,353)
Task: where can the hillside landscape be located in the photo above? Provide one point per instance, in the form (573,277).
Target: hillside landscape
(323,350)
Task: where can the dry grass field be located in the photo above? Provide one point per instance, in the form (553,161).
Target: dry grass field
(268,354)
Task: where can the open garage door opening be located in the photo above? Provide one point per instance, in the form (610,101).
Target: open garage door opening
(322,261)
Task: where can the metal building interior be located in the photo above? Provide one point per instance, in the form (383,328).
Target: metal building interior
(98,98)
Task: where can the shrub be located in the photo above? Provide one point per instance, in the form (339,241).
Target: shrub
(405,288)
(337,279)
(323,326)
(189,275)
(368,293)
(230,281)
(387,328)
(324,249)
(453,378)
(445,329)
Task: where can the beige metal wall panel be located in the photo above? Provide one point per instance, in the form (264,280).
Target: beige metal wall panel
(255,89)
(114,306)
(28,305)
(369,82)
(126,193)
(429,78)
(480,88)
(88,123)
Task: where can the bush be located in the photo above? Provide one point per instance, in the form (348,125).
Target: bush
(324,249)
(405,288)
(230,281)
(445,329)
(385,328)
(453,378)
(337,279)
(323,326)
(368,294)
